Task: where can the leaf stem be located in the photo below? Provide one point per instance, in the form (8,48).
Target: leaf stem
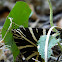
(51,14)
(46,43)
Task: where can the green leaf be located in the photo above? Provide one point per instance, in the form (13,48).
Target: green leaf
(41,45)
(20,14)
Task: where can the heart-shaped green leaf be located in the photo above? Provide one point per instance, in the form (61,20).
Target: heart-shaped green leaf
(20,14)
